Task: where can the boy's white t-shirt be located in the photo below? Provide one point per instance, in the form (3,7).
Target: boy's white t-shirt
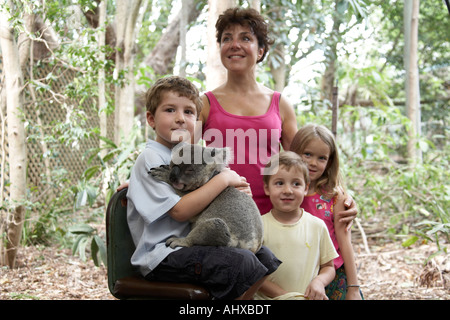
(302,247)
(149,201)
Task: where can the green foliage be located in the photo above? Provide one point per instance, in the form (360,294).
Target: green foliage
(22,296)
(433,46)
(112,166)
(46,219)
(410,197)
(85,233)
(109,169)
(431,229)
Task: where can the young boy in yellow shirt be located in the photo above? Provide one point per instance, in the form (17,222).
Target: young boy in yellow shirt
(295,236)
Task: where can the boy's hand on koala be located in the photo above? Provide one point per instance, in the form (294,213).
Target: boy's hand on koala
(233,179)
(246,189)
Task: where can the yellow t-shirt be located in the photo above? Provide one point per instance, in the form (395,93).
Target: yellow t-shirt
(302,247)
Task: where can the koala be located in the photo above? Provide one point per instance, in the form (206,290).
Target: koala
(232,219)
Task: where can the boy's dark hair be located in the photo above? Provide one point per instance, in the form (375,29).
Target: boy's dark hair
(179,85)
(287,160)
(245,17)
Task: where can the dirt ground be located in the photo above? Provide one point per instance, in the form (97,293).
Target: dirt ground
(388,272)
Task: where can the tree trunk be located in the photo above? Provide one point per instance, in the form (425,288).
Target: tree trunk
(216,74)
(256,4)
(16,140)
(161,58)
(328,78)
(411,21)
(183,31)
(101,76)
(26,56)
(278,69)
(2,170)
(163,54)
(279,72)
(127,13)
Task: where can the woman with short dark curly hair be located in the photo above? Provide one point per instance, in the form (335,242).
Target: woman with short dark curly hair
(250,18)
(243,114)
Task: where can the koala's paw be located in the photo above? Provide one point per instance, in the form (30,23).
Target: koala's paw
(176,242)
(160,173)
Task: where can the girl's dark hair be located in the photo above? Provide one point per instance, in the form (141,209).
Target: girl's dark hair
(245,17)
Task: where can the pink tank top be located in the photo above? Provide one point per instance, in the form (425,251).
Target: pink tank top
(322,208)
(252,140)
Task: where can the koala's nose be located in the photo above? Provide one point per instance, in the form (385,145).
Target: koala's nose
(174,174)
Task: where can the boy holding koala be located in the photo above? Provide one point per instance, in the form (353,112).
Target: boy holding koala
(155,212)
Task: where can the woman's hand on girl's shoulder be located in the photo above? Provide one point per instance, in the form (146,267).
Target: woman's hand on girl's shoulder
(345,209)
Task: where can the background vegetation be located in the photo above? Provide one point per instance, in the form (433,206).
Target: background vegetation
(357,44)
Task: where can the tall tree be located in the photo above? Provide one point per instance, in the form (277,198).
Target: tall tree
(16,138)
(126,18)
(183,31)
(216,73)
(344,11)
(163,54)
(277,60)
(331,64)
(411,21)
(101,74)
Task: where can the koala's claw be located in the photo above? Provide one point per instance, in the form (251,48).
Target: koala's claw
(175,242)
(160,173)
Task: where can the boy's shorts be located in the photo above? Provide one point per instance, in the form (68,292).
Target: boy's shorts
(226,272)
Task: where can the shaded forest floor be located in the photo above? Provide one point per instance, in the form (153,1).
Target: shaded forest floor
(388,272)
